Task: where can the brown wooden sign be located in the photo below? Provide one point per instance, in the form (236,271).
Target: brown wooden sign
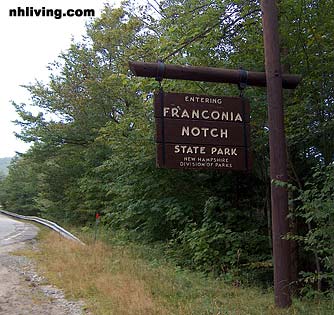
(202,132)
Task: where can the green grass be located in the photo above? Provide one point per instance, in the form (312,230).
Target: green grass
(123,279)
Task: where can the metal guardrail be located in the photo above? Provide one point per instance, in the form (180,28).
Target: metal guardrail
(53,226)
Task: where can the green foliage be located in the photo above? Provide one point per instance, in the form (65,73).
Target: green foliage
(222,242)
(309,52)
(316,209)
(18,189)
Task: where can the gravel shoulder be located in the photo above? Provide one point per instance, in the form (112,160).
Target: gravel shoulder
(23,291)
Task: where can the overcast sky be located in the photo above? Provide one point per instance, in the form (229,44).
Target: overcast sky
(28,44)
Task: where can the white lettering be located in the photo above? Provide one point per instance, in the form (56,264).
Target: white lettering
(223,165)
(195,131)
(206,116)
(185,114)
(215,115)
(237,117)
(185,149)
(224,151)
(195,114)
(178,112)
(166,110)
(185,131)
(202,99)
(175,112)
(223,133)
(189,159)
(225,116)
(204,131)
(214,132)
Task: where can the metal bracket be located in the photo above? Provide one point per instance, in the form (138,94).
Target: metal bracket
(159,78)
(160,71)
(243,79)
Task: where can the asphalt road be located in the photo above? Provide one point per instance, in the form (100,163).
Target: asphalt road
(12,231)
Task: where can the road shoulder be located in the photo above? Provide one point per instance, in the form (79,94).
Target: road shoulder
(22,290)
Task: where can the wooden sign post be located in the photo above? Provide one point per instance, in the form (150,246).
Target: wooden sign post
(278,158)
(208,74)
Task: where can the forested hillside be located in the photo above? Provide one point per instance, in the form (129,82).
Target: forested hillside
(93,139)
